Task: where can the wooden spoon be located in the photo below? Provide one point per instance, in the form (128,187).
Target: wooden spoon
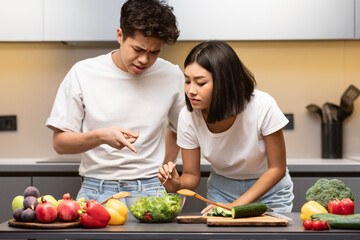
(117,196)
(190,193)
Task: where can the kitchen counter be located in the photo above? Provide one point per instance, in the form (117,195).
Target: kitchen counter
(68,165)
(135,230)
(56,176)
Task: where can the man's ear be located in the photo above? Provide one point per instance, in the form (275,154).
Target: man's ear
(119,35)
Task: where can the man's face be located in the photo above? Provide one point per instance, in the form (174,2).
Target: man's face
(138,53)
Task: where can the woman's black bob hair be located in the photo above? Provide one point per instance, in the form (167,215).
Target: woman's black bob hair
(233,83)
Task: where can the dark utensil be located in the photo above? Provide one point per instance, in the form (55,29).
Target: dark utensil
(334,109)
(346,102)
(345,112)
(326,112)
(350,95)
(315,109)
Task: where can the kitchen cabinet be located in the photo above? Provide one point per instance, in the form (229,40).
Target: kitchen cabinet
(81,20)
(58,185)
(264,19)
(357,19)
(21,20)
(97,20)
(302,184)
(57,177)
(11,186)
(53,185)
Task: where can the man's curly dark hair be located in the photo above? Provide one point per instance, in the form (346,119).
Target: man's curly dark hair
(153,18)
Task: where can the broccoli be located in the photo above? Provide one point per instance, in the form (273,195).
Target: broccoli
(326,190)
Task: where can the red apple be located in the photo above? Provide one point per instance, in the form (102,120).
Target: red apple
(68,209)
(45,211)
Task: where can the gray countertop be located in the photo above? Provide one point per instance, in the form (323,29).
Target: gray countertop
(69,165)
(174,230)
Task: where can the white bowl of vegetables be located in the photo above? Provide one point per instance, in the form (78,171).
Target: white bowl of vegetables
(155,209)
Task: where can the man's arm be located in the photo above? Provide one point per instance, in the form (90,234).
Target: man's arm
(171,148)
(72,142)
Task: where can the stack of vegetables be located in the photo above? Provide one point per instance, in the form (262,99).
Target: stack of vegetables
(330,205)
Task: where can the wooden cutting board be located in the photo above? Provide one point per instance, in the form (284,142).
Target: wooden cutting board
(56,224)
(263,220)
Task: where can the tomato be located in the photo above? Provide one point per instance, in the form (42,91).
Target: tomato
(325,225)
(317,225)
(147,217)
(308,224)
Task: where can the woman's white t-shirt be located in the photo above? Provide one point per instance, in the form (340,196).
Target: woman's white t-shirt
(97,94)
(239,152)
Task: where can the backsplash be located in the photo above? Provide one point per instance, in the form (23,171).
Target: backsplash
(295,73)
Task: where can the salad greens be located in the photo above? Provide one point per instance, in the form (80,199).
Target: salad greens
(157,209)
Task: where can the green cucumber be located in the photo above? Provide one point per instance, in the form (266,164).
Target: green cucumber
(218,211)
(351,221)
(211,214)
(249,210)
(226,213)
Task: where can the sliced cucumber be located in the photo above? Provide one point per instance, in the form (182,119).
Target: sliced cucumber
(226,213)
(218,210)
(212,214)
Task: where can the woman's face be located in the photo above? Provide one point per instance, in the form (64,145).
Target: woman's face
(198,86)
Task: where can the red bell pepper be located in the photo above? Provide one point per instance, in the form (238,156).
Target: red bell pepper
(94,215)
(343,207)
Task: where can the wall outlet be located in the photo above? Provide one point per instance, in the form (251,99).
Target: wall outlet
(8,123)
(290,125)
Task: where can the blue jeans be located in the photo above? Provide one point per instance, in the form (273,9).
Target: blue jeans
(226,190)
(101,190)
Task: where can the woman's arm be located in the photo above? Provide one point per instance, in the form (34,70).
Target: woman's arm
(72,142)
(276,157)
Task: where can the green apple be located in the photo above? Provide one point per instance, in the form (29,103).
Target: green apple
(18,201)
(49,198)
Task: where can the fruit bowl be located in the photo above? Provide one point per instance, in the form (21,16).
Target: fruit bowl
(155,209)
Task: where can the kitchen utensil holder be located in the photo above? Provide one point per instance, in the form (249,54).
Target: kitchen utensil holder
(331,140)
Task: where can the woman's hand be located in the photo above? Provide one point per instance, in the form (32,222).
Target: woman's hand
(211,206)
(170,176)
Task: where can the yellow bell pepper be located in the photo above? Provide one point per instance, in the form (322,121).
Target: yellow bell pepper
(118,212)
(310,208)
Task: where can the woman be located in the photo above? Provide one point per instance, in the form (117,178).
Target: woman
(237,128)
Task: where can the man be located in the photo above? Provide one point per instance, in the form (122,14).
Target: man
(114,109)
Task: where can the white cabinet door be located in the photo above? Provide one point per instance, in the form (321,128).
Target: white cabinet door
(81,20)
(21,20)
(357,19)
(264,19)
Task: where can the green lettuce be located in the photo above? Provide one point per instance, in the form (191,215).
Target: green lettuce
(157,209)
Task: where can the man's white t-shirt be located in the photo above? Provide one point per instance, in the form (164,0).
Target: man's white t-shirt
(239,152)
(97,94)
